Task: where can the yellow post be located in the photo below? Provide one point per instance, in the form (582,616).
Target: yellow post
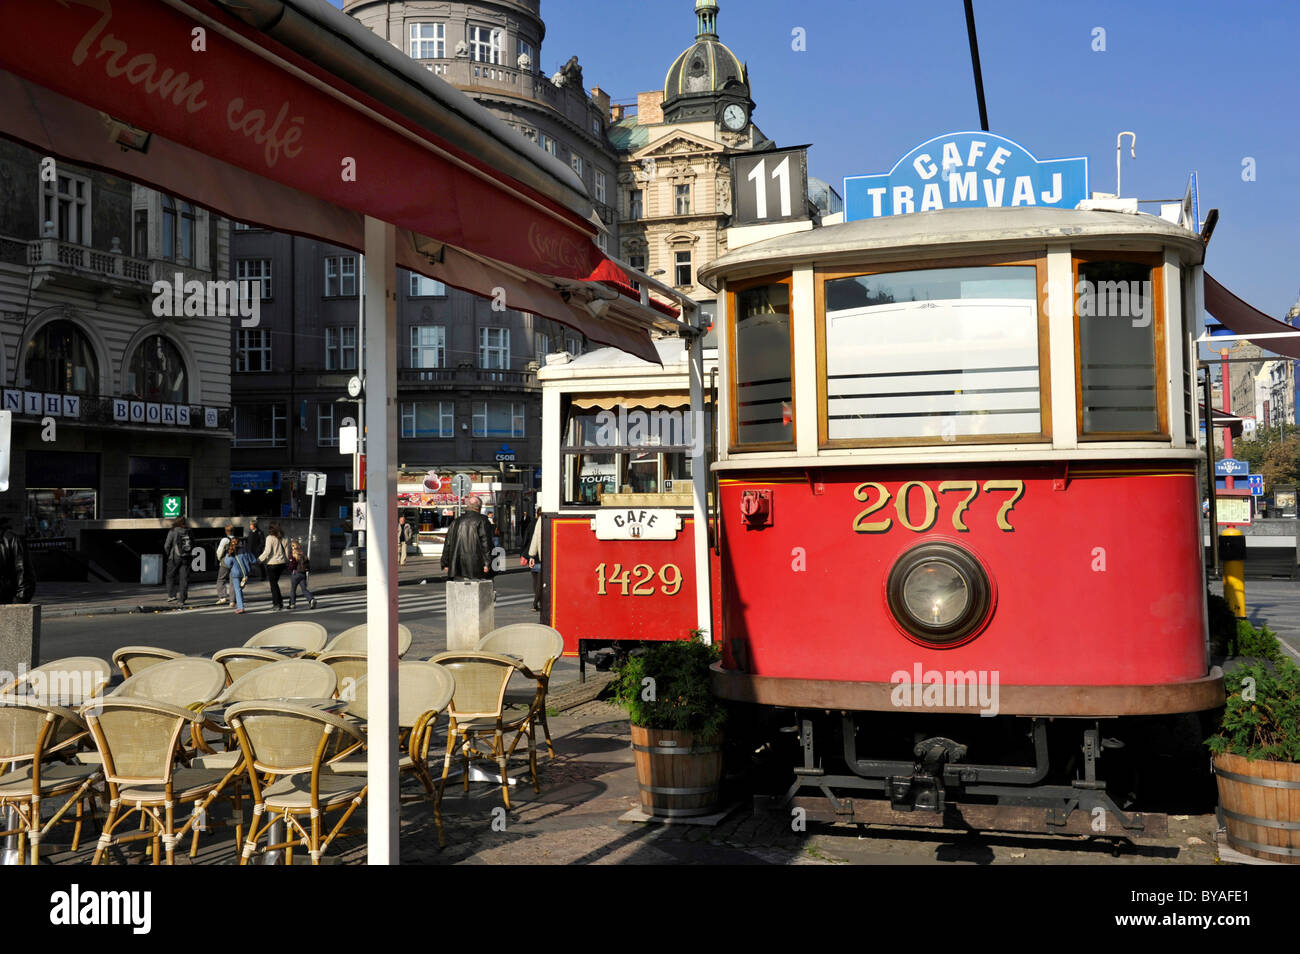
(1232,558)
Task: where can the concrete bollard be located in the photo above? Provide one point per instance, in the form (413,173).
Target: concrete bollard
(470,613)
(20,637)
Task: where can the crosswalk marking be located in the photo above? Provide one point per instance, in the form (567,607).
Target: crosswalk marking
(354,604)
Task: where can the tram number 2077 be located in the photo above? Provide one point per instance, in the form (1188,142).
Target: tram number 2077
(641,578)
(877,496)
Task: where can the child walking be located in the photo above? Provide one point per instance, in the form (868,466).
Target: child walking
(299,567)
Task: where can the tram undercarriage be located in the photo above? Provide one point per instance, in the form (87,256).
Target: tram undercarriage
(1010,774)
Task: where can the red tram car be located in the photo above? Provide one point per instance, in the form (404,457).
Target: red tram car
(958,513)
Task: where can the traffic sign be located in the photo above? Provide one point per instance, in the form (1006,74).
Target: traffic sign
(315,483)
(1256,485)
(461,485)
(172,506)
(1231,468)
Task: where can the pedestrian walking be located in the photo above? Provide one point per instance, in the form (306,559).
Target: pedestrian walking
(275,558)
(17,576)
(178,548)
(223,568)
(405,535)
(467,552)
(299,567)
(237,564)
(533,557)
(256,543)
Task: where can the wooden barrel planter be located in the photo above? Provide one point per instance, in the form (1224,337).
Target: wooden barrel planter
(678,774)
(1261,806)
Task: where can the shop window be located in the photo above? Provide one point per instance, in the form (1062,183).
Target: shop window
(61,359)
(61,486)
(150,479)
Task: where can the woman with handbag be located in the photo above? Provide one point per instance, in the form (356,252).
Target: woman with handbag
(239,563)
(275,557)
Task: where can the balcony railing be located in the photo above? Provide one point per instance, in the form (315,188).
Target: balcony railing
(414,377)
(103,265)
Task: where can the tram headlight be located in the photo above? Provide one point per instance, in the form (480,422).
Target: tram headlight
(938,592)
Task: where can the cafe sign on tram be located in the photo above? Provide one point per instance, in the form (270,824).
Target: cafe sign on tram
(966,170)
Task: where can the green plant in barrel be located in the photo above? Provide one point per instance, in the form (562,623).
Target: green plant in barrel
(676,726)
(1257,751)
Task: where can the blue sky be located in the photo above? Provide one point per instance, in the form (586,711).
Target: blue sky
(1204,84)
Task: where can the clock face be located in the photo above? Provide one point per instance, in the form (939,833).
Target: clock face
(354,387)
(734,117)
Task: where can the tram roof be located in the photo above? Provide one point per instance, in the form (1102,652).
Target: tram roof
(896,236)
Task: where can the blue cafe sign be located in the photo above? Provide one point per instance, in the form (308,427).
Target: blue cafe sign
(966,170)
(1231,468)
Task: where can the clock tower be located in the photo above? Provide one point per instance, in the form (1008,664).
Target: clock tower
(708,82)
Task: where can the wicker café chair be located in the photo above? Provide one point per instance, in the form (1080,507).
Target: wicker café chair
(291,742)
(301,634)
(138,741)
(538,647)
(286,679)
(188,682)
(69,682)
(240,662)
(477,712)
(424,690)
(353,640)
(349,667)
(134,659)
(29,733)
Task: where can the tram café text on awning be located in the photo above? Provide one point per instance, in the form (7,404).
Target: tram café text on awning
(966,170)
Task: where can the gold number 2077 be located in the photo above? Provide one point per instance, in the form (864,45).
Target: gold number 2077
(917,504)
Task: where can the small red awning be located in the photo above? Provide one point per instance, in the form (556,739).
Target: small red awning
(1243,319)
(1224,419)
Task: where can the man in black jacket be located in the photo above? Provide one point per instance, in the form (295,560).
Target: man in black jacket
(17,576)
(256,544)
(467,554)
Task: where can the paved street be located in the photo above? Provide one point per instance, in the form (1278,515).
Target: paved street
(205,628)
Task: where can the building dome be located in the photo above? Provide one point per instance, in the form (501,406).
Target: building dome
(707,66)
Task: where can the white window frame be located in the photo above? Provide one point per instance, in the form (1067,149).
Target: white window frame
(518,419)
(249,342)
(682,198)
(420,347)
(326,434)
(410,412)
(636,203)
(486,49)
(541,344)
(428,47)
(420,282)
(340,276)
(53,197)
(279,428)
(523,47)
(255,269)
(341,348)
(575,163)
(678,265)
(546,142)
(488,351)
(601,191)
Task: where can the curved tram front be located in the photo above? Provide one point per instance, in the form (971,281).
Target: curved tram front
(958,507)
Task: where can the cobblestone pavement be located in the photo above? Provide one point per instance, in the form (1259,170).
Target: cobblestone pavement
(592,782)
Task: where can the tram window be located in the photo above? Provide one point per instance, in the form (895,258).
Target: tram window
(932,355)
(764,397)
(1118,371)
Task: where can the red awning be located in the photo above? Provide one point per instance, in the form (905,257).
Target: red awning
(1243,319)
(259,132)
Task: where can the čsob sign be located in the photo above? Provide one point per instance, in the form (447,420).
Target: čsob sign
(966,170)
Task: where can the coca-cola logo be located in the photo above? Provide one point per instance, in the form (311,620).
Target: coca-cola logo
(555,249)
